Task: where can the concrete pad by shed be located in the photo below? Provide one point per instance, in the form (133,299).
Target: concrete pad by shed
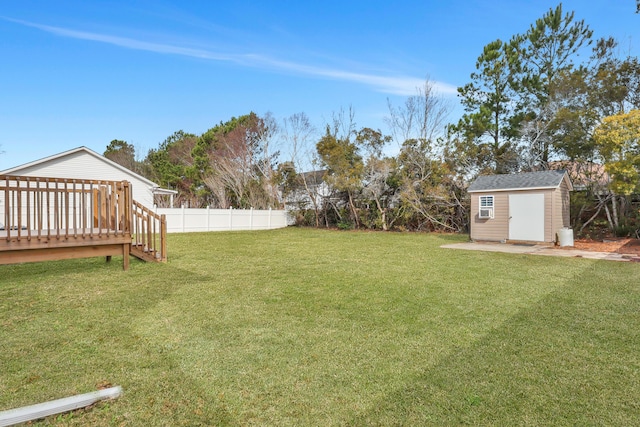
(537,250)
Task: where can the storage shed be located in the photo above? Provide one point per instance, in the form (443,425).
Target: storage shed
(524,207)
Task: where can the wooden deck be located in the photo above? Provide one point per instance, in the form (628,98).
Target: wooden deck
(51,218)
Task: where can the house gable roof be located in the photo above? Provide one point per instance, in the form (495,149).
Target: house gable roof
(17,169)
(312,178)
(520,181)
(584,174)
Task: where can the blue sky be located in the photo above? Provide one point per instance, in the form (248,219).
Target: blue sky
(86,72)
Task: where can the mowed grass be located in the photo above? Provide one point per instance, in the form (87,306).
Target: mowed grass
(312,327)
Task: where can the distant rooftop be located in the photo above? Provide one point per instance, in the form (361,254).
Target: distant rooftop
(584,174)
(541,179)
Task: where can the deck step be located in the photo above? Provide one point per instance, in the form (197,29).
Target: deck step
(141,253)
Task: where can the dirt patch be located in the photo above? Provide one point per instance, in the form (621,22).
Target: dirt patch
(613,245)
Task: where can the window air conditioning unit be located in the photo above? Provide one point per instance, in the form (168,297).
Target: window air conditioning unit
(485,213)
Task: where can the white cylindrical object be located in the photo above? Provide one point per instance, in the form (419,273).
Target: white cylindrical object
(565,236)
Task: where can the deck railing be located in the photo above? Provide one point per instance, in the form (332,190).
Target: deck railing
(34,207)
(45,217)
(149,233)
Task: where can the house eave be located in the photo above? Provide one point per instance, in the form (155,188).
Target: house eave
(494,190)
(163,191)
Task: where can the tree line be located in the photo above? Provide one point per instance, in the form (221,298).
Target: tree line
(552,97)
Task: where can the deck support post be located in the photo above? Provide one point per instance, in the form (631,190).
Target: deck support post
(125,256)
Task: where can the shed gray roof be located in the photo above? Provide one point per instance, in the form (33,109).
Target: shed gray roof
(542,179)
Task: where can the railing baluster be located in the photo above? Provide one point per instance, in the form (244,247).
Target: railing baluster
(66,208)
(163,237)
(48,194)
(19,210)
(39,208)
(7,206)
(155,237)
(75,210)
(28,209)
(84,210)
(101,204)
(56,209)
(149,235)
(94,210)
(107,208)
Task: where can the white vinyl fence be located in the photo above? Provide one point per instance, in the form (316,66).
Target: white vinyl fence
(181,220)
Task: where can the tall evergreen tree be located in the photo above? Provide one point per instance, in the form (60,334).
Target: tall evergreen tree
(487,131)
(538,59)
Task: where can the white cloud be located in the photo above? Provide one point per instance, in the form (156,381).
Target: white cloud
(396,85)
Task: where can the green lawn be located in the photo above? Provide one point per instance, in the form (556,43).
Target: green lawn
(311,327)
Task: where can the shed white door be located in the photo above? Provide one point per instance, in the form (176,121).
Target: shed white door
(526,217)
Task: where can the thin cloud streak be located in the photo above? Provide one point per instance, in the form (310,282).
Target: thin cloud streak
(404,86)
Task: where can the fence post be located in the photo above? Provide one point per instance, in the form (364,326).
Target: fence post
(230,218)
(183,214)
(251,218)
(269,221)
(208,218)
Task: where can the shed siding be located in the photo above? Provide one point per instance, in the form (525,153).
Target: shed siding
(496,228)
(566,204)
(557,213)
(82,165)
(561,205)
(549,233)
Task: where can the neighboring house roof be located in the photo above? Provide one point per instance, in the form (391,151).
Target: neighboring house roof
(520,181)
(17,169)
(311,178)
(584,174)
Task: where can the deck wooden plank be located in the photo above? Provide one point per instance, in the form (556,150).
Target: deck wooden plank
(18,256)
(56,240)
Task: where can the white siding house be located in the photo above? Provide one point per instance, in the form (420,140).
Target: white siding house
(83,163)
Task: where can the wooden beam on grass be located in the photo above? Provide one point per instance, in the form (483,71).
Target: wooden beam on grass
(42,410)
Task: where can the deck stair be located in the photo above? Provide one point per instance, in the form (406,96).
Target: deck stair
(149,237)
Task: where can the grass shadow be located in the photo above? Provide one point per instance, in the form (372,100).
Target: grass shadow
(570,359)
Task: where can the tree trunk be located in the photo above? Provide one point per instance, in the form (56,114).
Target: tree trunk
(614,210)
(383,214)
(606,209)
(354,212)
(594,216)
